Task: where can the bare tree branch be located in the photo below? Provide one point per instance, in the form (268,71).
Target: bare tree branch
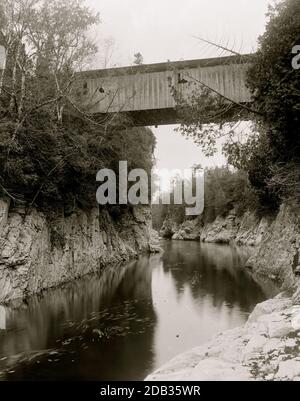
(217,45)
(241,105)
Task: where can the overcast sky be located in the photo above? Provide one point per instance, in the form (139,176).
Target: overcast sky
(164,29)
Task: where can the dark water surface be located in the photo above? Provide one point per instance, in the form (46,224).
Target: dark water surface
(126,322)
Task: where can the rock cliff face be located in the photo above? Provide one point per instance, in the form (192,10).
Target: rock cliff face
(37,253)
(188,231)
(275,241)
(245,230)
(169,228)
(278,254)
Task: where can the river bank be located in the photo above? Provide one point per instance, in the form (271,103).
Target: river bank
(267,347)
(38,251)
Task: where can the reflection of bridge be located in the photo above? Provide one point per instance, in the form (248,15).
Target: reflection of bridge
(144,91)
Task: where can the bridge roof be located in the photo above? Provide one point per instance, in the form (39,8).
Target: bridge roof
(169,65)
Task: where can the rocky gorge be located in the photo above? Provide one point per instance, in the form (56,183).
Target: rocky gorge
(38,251)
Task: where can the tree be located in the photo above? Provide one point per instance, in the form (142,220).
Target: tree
(138,59)
(46,43)
(275,86)
(225,190)
(107,49)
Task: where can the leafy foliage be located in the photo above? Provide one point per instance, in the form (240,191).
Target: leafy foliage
(204,115)
(276,93)
(59,164)
(224,190)
(270,153)
(51,148)
(138,59)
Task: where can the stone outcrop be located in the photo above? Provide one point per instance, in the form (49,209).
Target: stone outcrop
(37,252)
(252,229)
(154,242)
(278,254)
(188,231)
(222,229)
(247,229)
(267,347)
(169,228)
(275,241)
(243,230)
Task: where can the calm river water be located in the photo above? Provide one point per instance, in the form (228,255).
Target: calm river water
(126,322)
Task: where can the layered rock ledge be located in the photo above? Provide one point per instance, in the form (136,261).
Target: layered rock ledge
(266,348)
(274,240)
(38,252)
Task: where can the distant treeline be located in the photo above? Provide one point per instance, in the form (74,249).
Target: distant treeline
(224,190)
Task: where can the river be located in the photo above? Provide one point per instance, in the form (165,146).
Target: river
(125,322)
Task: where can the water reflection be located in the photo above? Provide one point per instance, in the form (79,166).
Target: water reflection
(199,290)
(124,323)
(89,329)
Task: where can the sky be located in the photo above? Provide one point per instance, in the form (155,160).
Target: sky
(164,30)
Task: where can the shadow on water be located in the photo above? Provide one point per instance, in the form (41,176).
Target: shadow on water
(125,322)
(89,329)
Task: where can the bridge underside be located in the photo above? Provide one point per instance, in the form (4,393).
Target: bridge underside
(155,117)
(146,118)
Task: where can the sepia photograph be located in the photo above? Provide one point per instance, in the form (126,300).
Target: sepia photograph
(149,196)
